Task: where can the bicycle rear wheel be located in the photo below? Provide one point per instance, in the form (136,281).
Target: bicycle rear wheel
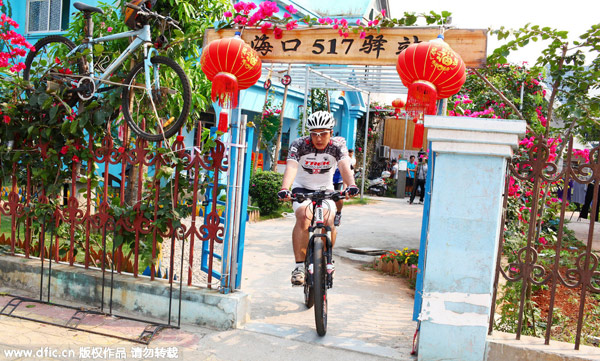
(320,287)
(161,113)
(49,69)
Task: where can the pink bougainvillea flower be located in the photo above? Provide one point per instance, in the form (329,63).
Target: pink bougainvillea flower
(264,27)
(358,22)
(278,33)
(287,15)
(543,240)
(109,29)
(291,9)
(362,34)
(227,14)
(64,149)
(291,25)
(240,20)
(75,159)
(6,119)
(383,12)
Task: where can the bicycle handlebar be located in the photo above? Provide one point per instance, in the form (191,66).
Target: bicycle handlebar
(318,195)
(142,10)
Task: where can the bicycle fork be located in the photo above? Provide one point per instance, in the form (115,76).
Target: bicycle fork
(328,253)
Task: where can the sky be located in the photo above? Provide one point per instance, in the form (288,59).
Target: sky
(575,16)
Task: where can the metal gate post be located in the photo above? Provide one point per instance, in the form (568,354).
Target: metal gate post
(244,205)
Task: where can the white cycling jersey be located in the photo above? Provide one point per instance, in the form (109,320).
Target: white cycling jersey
(316,167)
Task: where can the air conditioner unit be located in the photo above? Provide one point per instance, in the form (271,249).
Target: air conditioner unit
(383,152)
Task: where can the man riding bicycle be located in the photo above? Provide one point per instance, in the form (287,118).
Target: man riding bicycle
(310,166)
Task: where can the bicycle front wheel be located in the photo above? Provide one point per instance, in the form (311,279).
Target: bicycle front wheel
(320,287)
(158,113)
(309,297)
(49,69)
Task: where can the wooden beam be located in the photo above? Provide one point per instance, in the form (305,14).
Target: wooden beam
(325,45)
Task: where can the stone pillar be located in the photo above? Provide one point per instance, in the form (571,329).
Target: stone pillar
(464,223)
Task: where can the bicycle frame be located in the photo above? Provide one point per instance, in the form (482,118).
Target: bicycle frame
(142,37)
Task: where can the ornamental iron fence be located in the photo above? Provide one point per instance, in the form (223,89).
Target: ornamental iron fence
(547,280)
(136,209)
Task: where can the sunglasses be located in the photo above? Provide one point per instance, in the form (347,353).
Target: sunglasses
(319,134)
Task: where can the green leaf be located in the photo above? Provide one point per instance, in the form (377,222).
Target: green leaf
(74,125)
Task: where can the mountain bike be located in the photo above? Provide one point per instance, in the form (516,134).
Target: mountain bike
(318,262)
(156,93)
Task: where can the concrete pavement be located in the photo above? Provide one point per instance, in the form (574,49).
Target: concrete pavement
(370,314)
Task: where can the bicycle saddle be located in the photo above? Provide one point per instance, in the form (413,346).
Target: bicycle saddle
(86,8)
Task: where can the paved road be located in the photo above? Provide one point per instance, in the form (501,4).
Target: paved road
(368,311)
(370,314)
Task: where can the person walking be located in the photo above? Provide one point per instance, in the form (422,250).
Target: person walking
(420,178)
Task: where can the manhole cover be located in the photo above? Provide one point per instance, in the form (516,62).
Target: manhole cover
(367,251)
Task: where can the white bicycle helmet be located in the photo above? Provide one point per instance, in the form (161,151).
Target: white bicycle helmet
(320,120)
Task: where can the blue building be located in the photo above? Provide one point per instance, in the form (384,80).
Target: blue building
(39,18)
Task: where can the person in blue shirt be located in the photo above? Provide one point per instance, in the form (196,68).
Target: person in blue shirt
(410,175)
(338,185)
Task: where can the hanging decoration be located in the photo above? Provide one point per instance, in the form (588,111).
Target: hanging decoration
(418,135)
(231,65)
(397,104)
(430,70)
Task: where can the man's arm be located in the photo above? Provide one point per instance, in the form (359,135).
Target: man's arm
(291,168)
(346,172)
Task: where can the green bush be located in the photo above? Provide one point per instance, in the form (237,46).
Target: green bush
(263,190)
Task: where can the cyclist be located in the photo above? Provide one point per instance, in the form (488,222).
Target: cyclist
(310,166)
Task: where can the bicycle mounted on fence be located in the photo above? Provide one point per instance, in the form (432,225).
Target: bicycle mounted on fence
(319,256)
(157,96)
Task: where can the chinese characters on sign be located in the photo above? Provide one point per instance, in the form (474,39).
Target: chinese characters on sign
(263,44)
(326,46)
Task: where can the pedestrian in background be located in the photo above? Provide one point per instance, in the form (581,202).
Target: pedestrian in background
(420,178)
(410,176)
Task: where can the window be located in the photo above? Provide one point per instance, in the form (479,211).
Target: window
(45,15)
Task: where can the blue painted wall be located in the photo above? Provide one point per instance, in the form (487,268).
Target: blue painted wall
(19,14)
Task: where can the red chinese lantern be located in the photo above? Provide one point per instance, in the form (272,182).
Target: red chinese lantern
(397,104)
(430,70)
(231,65)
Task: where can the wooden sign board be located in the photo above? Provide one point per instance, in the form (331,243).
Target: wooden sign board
(326,46)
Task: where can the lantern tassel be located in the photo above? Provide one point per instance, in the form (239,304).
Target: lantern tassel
(422,97)
(223,121)
(418,135)
(225,88)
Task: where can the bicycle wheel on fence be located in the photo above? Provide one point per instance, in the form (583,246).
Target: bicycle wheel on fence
(48,67)
(320,287)
(162,112)
(309,297)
